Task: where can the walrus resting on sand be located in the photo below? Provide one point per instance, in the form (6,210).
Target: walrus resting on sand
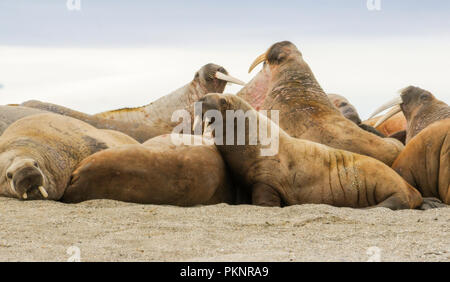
(286,83)
(140,132)
(38,154)
(420,108)
(156,172)
(349,111)
(305,172)
(210,78)
(425,162)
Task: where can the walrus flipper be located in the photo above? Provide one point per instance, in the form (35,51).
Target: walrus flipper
(266,196)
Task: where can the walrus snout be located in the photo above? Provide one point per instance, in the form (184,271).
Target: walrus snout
(26,179)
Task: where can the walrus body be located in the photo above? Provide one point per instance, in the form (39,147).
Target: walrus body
(304,172)
(425,162)
(286,83)
(140,132)
(38,154)
(210,78)
(391,126)
(10,114)
(156,172)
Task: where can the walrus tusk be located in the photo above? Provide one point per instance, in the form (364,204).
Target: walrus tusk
(390,104)
(228,78)
(13,187)
(43,191)
(396,109)
(25,196)
(257,61)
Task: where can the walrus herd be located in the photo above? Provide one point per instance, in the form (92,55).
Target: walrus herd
(280,141)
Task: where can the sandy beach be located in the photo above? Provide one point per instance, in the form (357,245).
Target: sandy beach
(105,230)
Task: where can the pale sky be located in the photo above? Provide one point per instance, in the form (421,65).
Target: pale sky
(113,54)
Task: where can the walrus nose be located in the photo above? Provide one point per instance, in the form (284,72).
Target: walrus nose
(27,181)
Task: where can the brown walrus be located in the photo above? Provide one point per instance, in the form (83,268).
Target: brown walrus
(138,131)
(210,78)
(156,172)
(286,83)
(301,171)
(425,161)
(349,111)
(10,114)
(420,108)
(394,127)
(38,154)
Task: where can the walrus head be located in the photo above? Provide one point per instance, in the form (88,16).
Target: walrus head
(23,177)
(347,109)
(413,101)
(213,78)
(278,54)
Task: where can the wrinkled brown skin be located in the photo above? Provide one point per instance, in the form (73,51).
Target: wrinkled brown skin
(158,114)
(139,132)
(392,126)
(421,109)
(425,162)
(44,149)
(156,172)
(304,172)
(10,114)
(286,83)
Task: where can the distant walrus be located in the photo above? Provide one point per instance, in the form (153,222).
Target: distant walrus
(210,78)
(10,114)
(425,162)
(157,172)
(138,131)
(304,172)
(38,154)
(420,108)
(349,111)
(286,83)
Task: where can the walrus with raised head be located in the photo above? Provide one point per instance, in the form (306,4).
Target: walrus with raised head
(149,121)
(349,111)
(210,78)
(286,83)
(419,107)
(300,171)
(156,172)
(38,153)
(425,161)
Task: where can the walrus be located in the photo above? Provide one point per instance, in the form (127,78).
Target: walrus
(420,108)
(349,111)
(286,83)
(156,172)
(394,127)
(301,171)
(10,114)
(210,78)
(38,154)
(138,131)
(425,161)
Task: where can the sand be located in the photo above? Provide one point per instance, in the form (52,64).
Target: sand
(104,230)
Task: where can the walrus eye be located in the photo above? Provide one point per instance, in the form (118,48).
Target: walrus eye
(343,104)
(36,164)
(424,97)
(9,175)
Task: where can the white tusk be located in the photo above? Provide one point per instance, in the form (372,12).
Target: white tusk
(25,196)
(13,187)
(228,78)
(390,104)
(43,192)
(396,109)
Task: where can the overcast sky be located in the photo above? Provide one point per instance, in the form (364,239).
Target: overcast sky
(127,53)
